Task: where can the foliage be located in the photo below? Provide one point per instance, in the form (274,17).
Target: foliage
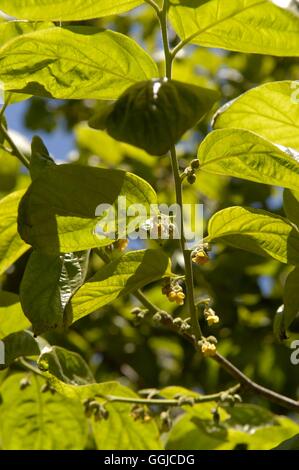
(92,346)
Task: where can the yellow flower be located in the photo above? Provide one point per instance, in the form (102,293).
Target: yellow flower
(208,349)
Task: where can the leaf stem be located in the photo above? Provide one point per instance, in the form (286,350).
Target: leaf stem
(17,153)
(178,188)
(154,5)
(30,367)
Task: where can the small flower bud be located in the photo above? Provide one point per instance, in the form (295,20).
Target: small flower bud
(191,179)
(208,349)
(195,164)
(157,317)
(24,383)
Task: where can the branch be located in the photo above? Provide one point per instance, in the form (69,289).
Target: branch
(224,363)
(183,400)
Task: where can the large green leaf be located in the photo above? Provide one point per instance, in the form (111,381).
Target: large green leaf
(257,231)
(248,426)
(65,10)
(19,344)
(255,26)
(11,245)
(243,154)
(64,64)
(122,276)
(47,286)
(267,110)
(11,29)
(67,366)
(153,115)
(291,205)
(32,420)
(58,212)
(12,318)
(121,431)
(291,298)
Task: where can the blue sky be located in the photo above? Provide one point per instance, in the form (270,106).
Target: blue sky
(58,142)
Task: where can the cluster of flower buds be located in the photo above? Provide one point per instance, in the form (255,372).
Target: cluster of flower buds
(160,227)
(189,172)
(140,413)
(173,291)
(200,254)
(210,316)
(208,346)
(95,409)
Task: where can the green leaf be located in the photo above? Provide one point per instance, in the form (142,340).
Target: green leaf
(47,286)
(243,154)
(153,115)
(9,170)
(57,214)
(11,29)
(63,64)
(257,231)
(122,276)
(291,298)
(255,26)
(67,366)
(268,110)
(120,431)
(291,205)
(248,426)
(40,157)
(12,318)
(32,420)
(66,10)
(11,245)
(289,444)
(19,344)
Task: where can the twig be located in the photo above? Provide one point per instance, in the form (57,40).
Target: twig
(172,402)
(17,153)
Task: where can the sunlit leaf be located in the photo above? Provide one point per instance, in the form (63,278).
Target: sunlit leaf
(66,10)
(12,318)
(255,26)
(32,420)
(58,212)
(268,110)
(243,154)
(257,231)
(11,245)
(60,63)
(122,276)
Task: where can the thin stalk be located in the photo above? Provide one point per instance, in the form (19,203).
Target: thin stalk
(17,153)
(154,5)
(178,188)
